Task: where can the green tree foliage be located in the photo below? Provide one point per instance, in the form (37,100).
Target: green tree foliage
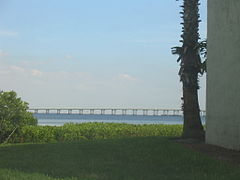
(13,114)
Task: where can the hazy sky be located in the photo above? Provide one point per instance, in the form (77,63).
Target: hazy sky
(92,53)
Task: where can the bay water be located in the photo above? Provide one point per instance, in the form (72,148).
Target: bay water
(60,119)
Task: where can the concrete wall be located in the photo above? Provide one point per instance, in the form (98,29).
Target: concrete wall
(223,76)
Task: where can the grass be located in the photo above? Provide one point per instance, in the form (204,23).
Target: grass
(135,158)
(6,174)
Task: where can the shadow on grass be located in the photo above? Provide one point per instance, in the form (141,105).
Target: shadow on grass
(145,158)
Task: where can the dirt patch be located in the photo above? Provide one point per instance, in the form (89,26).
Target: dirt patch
(211,150)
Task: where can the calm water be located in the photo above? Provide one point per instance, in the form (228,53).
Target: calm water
(60,119)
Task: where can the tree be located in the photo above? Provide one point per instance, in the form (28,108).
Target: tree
(191,66)
(13,114)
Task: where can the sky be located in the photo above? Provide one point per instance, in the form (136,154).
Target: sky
(93,54)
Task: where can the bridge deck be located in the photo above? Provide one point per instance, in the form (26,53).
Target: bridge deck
(110,111)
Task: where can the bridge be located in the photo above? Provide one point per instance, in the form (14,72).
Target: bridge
(111,111)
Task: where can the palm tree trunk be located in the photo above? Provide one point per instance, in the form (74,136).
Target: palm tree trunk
(190,68)
(192,126)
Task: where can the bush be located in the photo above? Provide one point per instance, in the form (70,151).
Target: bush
(90,131)
(13,114)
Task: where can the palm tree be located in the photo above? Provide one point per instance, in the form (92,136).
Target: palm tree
(191,66)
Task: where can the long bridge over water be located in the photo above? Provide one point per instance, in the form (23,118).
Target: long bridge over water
(111,111)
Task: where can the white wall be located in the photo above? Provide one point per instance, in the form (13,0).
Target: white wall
(223,76)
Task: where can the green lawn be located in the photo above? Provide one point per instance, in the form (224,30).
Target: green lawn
(136,158)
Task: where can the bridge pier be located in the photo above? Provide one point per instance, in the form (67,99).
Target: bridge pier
(134,112)
(102,111)
(69,111)
(124,111)
(155,112)
(91,111)
(114,111)
(176,112)
(145,112)
(80,111)
(165,112)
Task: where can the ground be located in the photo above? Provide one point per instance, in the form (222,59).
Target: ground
(217,152)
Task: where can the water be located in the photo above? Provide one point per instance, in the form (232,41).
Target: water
(60,119)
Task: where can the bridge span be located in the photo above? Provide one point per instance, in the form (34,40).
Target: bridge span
(111,111)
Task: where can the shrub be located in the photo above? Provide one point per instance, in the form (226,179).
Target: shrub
(13,114)
(75,132)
